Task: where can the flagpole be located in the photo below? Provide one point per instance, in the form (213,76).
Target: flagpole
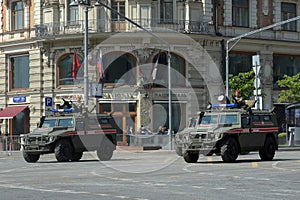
(170,98)
(85,76)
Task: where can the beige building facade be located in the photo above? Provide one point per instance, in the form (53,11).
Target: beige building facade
(39,37)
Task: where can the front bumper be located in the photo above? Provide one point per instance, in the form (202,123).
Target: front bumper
(36,144)
(200,142)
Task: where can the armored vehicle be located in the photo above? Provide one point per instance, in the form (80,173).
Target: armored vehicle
(68,135)
(229,131)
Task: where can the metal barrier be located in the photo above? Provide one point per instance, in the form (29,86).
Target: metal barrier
(150,140)
(8,143)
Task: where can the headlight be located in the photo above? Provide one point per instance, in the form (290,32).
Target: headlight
(51,138)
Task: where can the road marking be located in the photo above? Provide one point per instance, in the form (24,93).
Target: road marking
(254,164)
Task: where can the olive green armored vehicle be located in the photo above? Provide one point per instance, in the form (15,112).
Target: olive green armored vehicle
(229,131)
(68,135)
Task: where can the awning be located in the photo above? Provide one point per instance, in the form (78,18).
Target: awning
(11,112)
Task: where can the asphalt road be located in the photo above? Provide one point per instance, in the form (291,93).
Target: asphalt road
(143,175)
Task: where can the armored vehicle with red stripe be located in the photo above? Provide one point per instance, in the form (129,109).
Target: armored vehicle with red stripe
(228,131)
(68,135)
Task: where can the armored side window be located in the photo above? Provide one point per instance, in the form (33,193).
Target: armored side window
(267,120)
(229,119)
(65,122)
(79,125)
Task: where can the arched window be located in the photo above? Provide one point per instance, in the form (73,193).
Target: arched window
(119,68)
(177,70)
(64,70)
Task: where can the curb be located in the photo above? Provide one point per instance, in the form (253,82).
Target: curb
(288,148)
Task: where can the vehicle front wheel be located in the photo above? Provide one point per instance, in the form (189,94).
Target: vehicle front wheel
(31,158)
(63,151)
(190,157)
(229,150)
(268,151)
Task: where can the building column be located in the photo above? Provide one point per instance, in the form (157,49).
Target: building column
(266,75)
(187,17)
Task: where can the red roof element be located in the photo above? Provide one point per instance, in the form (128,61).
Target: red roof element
(11,112)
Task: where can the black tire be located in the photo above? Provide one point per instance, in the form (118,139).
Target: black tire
(106,150)
(63,151)
(77,156)
(190,157)
(268,151)
(179,151)
(31,158)
(229,150)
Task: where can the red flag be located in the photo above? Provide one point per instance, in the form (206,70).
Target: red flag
(76,65)
(100,66)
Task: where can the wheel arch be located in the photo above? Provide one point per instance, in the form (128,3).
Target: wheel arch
(226,135)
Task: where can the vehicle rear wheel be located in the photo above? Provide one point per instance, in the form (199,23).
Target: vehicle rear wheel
(106,150)
(190,157)
(31,158)
(268,151)
(77,156)
(63,151)
(229,150)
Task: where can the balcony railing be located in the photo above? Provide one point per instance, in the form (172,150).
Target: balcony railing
(102,26)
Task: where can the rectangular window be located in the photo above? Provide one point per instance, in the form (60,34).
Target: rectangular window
(240,13)
(74,16)
(239,62)
(166,11)
(288,11)
(284,64)
(18,15)
(19,71)
(118,5)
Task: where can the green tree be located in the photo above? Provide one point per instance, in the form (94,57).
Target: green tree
(292,92)
(243,82)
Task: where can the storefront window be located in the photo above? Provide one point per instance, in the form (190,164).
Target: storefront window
(161,116)
(21,123)
(284,64)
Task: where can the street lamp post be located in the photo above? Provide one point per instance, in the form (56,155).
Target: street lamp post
(86,5)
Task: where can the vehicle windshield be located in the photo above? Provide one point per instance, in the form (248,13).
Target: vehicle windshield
(229,119)
(209,120)
(48,123)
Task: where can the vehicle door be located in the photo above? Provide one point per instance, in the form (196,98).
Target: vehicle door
(246,134)
(258,131)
